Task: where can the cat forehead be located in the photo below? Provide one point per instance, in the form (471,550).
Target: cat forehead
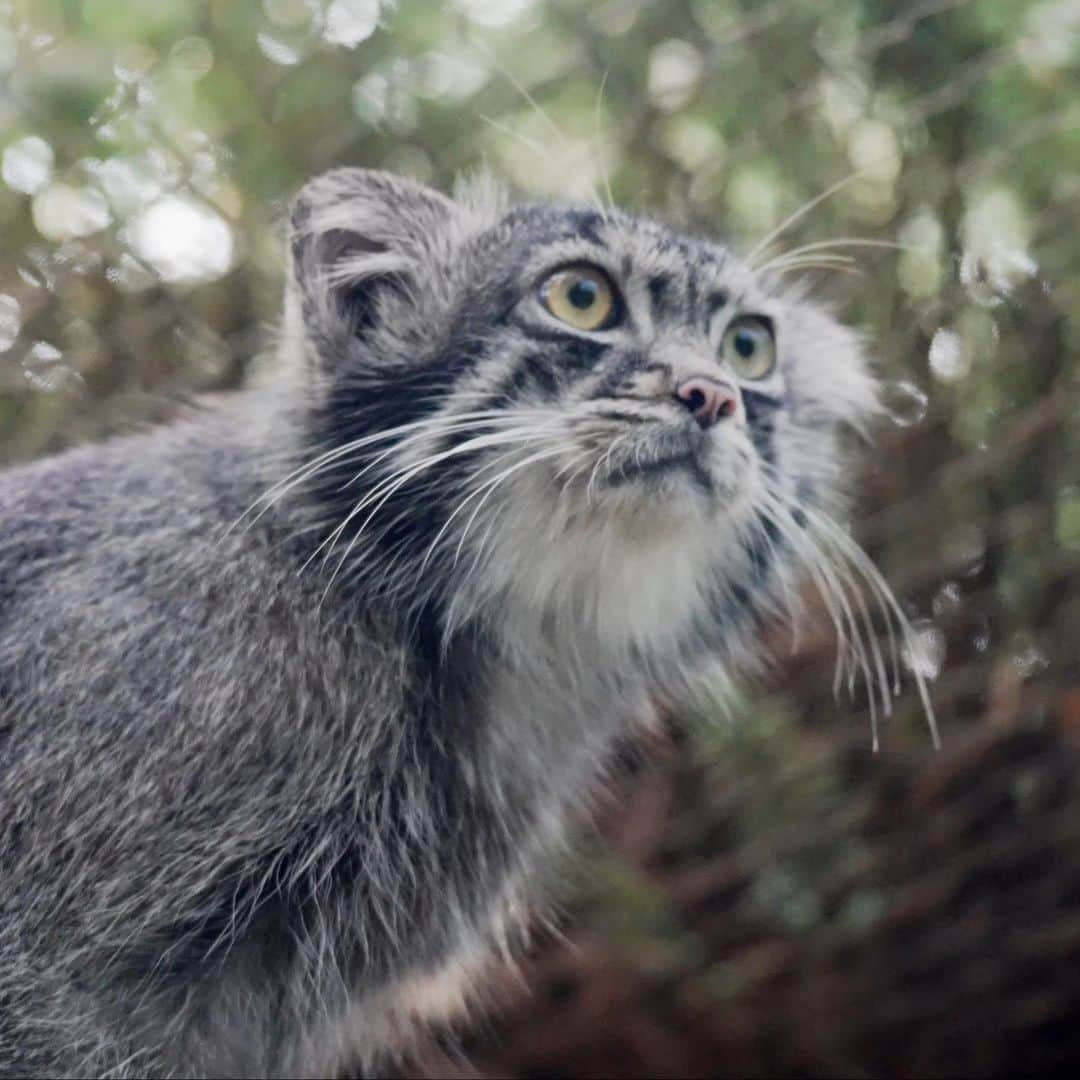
(627,246)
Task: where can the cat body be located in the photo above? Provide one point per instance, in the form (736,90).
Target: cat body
(298,696)
(314,817)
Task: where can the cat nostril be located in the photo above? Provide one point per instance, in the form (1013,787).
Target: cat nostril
(707,400)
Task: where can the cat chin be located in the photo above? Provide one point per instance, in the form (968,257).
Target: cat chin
(677,503)
(674,478)
(627,568)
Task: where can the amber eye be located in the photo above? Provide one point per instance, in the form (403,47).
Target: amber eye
(581,296)
(749,347)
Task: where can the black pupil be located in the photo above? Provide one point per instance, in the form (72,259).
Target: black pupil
(583,293)
(745,344)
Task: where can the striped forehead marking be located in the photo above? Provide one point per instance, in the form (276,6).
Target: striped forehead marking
(674,299)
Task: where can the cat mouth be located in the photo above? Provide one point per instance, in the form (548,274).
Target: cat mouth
(656,462)
(639,468)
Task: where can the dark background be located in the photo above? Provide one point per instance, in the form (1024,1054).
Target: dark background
(764,895)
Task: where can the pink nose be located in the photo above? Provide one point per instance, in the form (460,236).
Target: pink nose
(707,399)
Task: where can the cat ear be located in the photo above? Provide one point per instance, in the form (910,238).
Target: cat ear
(364,249)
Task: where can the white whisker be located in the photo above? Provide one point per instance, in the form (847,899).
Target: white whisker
(601,167)
(798,215)
(462,504)
(491,485)
(877,582)
(414,431)
(824,577)
(506,129)
(843,546)
(397,480)
(816,264)
(827,245)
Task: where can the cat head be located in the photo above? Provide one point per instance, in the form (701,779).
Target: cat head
(557,412)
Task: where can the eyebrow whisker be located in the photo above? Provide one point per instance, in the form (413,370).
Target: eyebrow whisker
(803,210)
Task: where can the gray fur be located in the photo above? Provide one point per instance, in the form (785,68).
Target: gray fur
(266,759)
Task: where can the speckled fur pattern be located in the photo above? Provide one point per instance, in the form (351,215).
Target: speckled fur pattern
(297,696)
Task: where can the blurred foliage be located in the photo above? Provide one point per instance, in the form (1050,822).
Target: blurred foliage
(150,146)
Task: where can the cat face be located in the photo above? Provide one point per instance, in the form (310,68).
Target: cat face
(558,410)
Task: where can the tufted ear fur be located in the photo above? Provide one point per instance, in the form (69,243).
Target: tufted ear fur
(368,257)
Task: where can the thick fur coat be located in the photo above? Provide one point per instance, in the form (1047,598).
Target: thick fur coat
(296,696)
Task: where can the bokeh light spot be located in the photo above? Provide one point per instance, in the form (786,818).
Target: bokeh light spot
(27,165)
(183,240)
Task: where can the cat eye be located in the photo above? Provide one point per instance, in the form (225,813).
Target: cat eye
(580,296)
(749,347)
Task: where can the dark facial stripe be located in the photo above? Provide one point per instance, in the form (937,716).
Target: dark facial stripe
(622,417)
(716,302)
(692,300)
(659,286)
(761,412)
(614,380)
(372,400)
(588,225)
(538,370)
(582,355)
(532,371)
(541,227)
(648,399)
(759,405)
(574,352)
